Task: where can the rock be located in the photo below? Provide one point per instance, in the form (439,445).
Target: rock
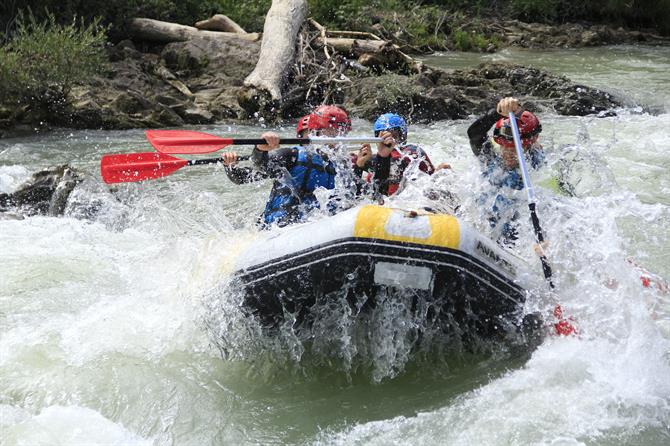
(438,94)
(567,35)
(163,117)
(200,81)
(373,96)
(188,58)
(130,102)
(197,115)
(46,193)
(5,113)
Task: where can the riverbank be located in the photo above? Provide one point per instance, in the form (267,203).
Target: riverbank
(150,83)
(200,81)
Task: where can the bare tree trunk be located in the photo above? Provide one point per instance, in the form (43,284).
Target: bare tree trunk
(165,32)
(220,22)
(282,24)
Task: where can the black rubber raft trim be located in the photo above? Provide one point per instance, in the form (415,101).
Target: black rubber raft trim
(437,258)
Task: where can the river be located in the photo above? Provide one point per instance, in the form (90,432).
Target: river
(103,336)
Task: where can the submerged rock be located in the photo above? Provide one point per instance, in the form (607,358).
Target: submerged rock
(45,193)
(63,191)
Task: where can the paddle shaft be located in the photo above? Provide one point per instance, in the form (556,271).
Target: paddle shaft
(546,268)
(214,160)
(172,142)
(310,140)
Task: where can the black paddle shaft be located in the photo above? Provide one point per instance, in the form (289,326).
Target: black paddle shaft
(216,160)
(546,268)
(258,142)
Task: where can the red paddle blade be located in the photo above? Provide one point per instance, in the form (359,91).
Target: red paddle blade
(130,167)
(185,141)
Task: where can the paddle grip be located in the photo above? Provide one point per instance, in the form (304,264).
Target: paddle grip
(536,223)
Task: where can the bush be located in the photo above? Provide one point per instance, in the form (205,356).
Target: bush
(43,60)
(473,41)
(250,14)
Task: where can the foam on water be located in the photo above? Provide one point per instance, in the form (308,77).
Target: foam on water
(11,177)
(65,425)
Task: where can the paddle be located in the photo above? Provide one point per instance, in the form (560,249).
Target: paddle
(562,327)
(191,142)
(131,167)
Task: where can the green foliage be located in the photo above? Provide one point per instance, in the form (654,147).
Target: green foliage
(635,13)
(535,10)
(249,14)
(44,60)
(341,12)
(473,41)
(415,21)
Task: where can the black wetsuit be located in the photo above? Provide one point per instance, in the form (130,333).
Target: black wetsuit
(268,165)
(480,143)
(387,172)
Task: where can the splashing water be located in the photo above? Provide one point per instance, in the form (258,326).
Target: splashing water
(110,324)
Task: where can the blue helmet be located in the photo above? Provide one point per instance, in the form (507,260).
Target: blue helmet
(389,121)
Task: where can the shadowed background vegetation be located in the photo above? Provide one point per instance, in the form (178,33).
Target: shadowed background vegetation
(423,18)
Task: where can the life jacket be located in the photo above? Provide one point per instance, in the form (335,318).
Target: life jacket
(293,195)
(400,159)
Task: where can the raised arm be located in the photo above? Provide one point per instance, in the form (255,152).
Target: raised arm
(478,132)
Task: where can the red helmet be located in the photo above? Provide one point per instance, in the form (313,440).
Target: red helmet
(329,116)
(303,124)
(529,130)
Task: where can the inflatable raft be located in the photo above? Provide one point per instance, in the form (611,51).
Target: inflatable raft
(462,280)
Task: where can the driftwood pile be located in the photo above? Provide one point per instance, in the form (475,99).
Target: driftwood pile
(327,60)
(301,63)
(322,69)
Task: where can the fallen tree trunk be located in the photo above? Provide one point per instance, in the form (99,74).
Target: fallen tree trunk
(220,22)
(150,30)
(282,24)
(356,46)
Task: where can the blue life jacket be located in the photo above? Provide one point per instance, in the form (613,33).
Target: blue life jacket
(293,196)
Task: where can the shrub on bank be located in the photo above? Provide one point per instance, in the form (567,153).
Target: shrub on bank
(420,24)
(250,14)
(43,60)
